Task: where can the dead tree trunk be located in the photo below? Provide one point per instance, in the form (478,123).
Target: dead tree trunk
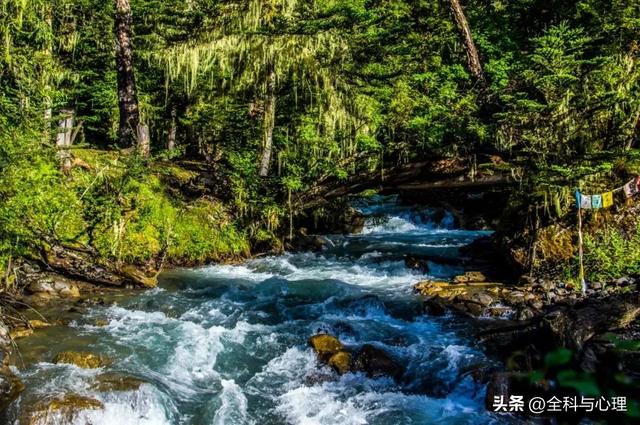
(64,138)
(269,124)
(127,96)
(144,139)
(173,130)
(473,58)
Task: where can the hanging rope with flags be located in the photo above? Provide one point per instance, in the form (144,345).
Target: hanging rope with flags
(595,202)
(607,199)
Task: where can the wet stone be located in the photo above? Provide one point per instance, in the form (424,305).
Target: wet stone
(83,360)
(340,362)
(111,382)
(376,362)
(39,324)
(473,276)
(64,408)
(21,333)
(325,346)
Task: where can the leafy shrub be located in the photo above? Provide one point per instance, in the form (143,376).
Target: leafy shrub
(611,254)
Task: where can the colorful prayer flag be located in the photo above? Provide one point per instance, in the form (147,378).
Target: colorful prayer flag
(578,196)
(585,202)
(631,188)
(596,201)
(607,200)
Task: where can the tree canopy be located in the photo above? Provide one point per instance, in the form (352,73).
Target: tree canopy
(278,96)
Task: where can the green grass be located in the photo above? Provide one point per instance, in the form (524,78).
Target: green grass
(115,203)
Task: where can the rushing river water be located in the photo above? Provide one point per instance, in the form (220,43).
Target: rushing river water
(228,344)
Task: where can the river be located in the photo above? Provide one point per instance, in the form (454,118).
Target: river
(227,344)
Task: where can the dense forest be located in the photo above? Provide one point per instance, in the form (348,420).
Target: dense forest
(278,97)
(137,135)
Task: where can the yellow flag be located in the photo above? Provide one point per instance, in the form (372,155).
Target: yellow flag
(607,199)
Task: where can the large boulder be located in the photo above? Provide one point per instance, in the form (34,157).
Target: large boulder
(371,360)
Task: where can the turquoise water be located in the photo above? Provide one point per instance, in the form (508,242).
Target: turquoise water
(228,344)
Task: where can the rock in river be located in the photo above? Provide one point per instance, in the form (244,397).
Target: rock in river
(325,346)
(60,409)
(376,362)
(341,362)
(112,382)
(81,359)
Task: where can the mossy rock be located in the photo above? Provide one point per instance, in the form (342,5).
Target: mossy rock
(139,277)
(65,407)
(81,359)
(112,382)
(20,333)
(473,276)
(39,324)
(325,346)
(341,362)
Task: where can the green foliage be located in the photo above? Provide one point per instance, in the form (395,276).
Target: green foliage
(609,253)
(37,203)
(361,86)
(132,217)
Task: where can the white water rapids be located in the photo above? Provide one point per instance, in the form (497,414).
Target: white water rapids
(228,344)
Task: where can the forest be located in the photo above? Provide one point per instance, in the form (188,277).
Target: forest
(138,136)
(277,97)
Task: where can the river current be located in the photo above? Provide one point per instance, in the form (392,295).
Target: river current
(227,344)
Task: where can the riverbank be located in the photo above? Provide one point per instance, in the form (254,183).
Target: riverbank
(527,326)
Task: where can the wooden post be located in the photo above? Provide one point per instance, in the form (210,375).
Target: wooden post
(173,130)
(144,140)
(64,138)
(583,282)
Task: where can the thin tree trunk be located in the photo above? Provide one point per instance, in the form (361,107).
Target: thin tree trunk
(127,96)
(473,58)
(173,130)
(64,138)
(269,124)
(48,111)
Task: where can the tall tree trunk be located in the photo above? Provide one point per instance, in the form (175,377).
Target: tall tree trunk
(127,97)
(269,124)
(64,138)
(473,58)
(48,111)
(173,130)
